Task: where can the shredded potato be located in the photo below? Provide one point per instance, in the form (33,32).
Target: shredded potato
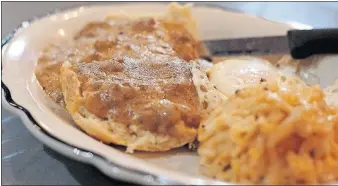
(277,133)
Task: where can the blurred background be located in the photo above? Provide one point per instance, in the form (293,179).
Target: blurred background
(315,14)
(39,165)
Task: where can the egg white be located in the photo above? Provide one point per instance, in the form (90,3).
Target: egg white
(234,74)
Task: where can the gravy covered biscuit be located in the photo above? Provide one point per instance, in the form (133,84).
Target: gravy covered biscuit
(138,91)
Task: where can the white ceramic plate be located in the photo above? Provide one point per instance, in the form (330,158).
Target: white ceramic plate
(53,126)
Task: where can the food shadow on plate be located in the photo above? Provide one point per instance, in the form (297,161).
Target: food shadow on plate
(174,159)
(85,174)
(166,154)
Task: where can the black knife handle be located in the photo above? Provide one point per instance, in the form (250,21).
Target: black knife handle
(304,43)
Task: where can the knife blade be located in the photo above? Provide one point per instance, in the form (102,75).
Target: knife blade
(298,43)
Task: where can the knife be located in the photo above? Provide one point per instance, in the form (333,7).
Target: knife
(299,44)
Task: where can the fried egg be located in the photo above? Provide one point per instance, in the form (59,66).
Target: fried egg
(231,75)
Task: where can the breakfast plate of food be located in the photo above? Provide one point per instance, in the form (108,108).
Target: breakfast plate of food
(127,89)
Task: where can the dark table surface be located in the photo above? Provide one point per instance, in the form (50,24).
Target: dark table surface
(25,161)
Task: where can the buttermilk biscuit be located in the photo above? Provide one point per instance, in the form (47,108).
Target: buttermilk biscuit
(138,89)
